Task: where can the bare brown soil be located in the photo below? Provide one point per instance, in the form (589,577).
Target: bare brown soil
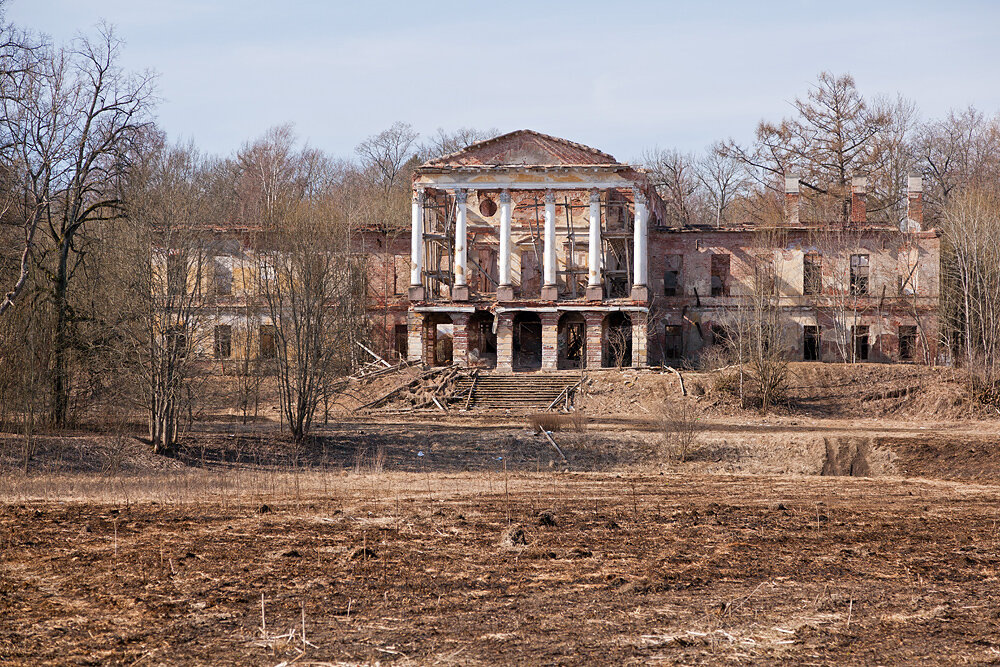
(636,569)
(467,539)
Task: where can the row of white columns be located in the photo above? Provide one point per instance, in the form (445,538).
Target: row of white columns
(639,247)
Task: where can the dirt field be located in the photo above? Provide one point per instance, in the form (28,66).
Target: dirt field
(469,540)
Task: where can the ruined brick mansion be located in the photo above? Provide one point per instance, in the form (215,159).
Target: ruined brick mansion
(529,252)
(532,252)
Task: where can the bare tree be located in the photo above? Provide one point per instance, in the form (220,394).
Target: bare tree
(162,259)
(386,155)
(971,228)
(19,62)
(962,149)
(755,326)
(443,143)
(833,135)
(314,291)
(675,177)
(724,180)
(311,285)
(74,127)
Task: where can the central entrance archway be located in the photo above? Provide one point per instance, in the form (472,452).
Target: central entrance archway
(438,332)
(527,341)
(616,346)
(482,340)
(572,341)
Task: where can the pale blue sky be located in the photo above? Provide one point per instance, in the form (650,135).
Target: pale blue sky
(621,76)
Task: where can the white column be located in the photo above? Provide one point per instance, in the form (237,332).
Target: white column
(639,240)
(461,197)
(505,217)
(549,263)
(417,239)
(594,242)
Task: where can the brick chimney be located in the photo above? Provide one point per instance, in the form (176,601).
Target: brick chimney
(859,196)
(792,199)
(914,203)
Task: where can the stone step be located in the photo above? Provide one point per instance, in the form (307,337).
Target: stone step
(520,391)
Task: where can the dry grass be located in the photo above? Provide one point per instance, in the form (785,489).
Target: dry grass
(410,568)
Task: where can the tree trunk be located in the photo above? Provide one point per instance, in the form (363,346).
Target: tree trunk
(60,339)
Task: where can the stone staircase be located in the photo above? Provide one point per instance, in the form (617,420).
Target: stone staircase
(515,391)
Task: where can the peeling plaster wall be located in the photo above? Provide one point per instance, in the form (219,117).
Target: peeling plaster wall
(892,256)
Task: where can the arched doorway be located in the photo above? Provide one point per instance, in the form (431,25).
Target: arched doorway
(482,340)
(438,332)
(616,342)
(527,341)
(572,343)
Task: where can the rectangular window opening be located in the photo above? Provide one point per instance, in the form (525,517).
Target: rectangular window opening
(720,274)
(672,276)
(861,343)
(268,342)
(672,341)
(223,341)
(812,266)
(859,275)
(907,342)
(811,342)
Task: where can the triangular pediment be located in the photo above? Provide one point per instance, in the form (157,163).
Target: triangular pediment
(523,148)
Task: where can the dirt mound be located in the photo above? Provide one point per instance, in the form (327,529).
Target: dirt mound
(109,454)
(881,390)
(514,537)
(847,457)
(814,389)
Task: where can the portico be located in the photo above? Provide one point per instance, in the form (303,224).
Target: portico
(527,223)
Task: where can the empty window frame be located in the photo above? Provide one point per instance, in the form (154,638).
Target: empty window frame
(861,343)
(763,275)
(811,343)
(401,274)
(268,342)
(223,341)
(176,274)
(672,276)
(722,335)
(222,277)
(907,342)
(673,341)
(859,274)
(720,274)
(812,272)
(400,335)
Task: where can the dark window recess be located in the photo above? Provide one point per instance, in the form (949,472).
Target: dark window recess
(811,342)
(672,341)
(764,275)
(720,275)
(268,342)
(223,341)
(222,278)
(401,341)
(672,276)
(721,335)
(859,274)
(907,342)
(176,274)
(671,283)
(861,343)
(812,281)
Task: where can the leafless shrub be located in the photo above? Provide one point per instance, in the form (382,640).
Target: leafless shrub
(679,429)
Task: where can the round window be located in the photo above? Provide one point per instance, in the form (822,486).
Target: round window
(487,207)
